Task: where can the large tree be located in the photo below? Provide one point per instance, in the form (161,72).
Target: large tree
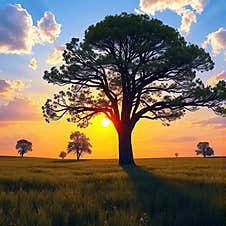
(130,67)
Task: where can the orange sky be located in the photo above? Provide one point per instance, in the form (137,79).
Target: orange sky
(150,138)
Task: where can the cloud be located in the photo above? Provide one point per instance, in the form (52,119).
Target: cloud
(183,139)
(213,80)
(18,34)
(48,28)
(19,109)
(4,86)
(9,88)
(176,139)
(216,123)
(33,64)
(16,30)
(187,9)
(188,17)
(216,40)
(56,57)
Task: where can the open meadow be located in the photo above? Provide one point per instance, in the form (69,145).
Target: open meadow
(158,192)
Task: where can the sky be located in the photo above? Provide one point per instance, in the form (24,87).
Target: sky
(32,38)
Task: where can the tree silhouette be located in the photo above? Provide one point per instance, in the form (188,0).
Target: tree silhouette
(176,154)
(79,144)
(23,146)
(130,67)
(204,149)
(62,154)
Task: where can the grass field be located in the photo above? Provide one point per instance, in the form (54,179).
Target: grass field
(159,192)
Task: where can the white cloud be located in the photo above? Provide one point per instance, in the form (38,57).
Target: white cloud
(16,30)
(188,17)
(10,89)
(18,34)
(213,80)
(7,86)
(187,9)
(216,40)
(33,64)
(56,57)
(48,28)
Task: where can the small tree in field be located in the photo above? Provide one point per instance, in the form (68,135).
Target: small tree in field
(130,67)
(79,144)
(62,154)
(204,149)
(176,155)
(23,146)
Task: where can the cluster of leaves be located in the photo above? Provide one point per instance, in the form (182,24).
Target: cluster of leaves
(131,67)
(62,154)
(204,149)
(23,146)
(79,144)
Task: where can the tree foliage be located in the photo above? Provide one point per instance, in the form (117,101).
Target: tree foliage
(62,154)
(204,149)
(130,67)
(23,146)
(79,144)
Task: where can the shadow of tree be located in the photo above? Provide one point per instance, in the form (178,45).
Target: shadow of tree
(175,202)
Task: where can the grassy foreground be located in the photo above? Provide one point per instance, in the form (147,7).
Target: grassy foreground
(160,192)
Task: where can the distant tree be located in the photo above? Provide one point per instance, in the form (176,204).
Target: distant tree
(176,155)
(79,144)
(62,154)
(131,67)
(23,146)
(204,149)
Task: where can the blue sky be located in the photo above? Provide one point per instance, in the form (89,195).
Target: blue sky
(204,24)
(76,16)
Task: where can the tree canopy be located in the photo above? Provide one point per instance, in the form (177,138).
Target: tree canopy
(23,146)
(130,67)
(79,144)
(204,149)
(62,154)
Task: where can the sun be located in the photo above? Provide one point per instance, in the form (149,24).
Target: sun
(105,122)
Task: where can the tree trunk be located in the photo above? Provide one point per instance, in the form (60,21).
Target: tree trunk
(125,147)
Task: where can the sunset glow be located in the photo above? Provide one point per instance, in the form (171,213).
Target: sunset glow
(33,40)
(112,112)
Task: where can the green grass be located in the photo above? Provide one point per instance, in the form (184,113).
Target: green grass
(159,192)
